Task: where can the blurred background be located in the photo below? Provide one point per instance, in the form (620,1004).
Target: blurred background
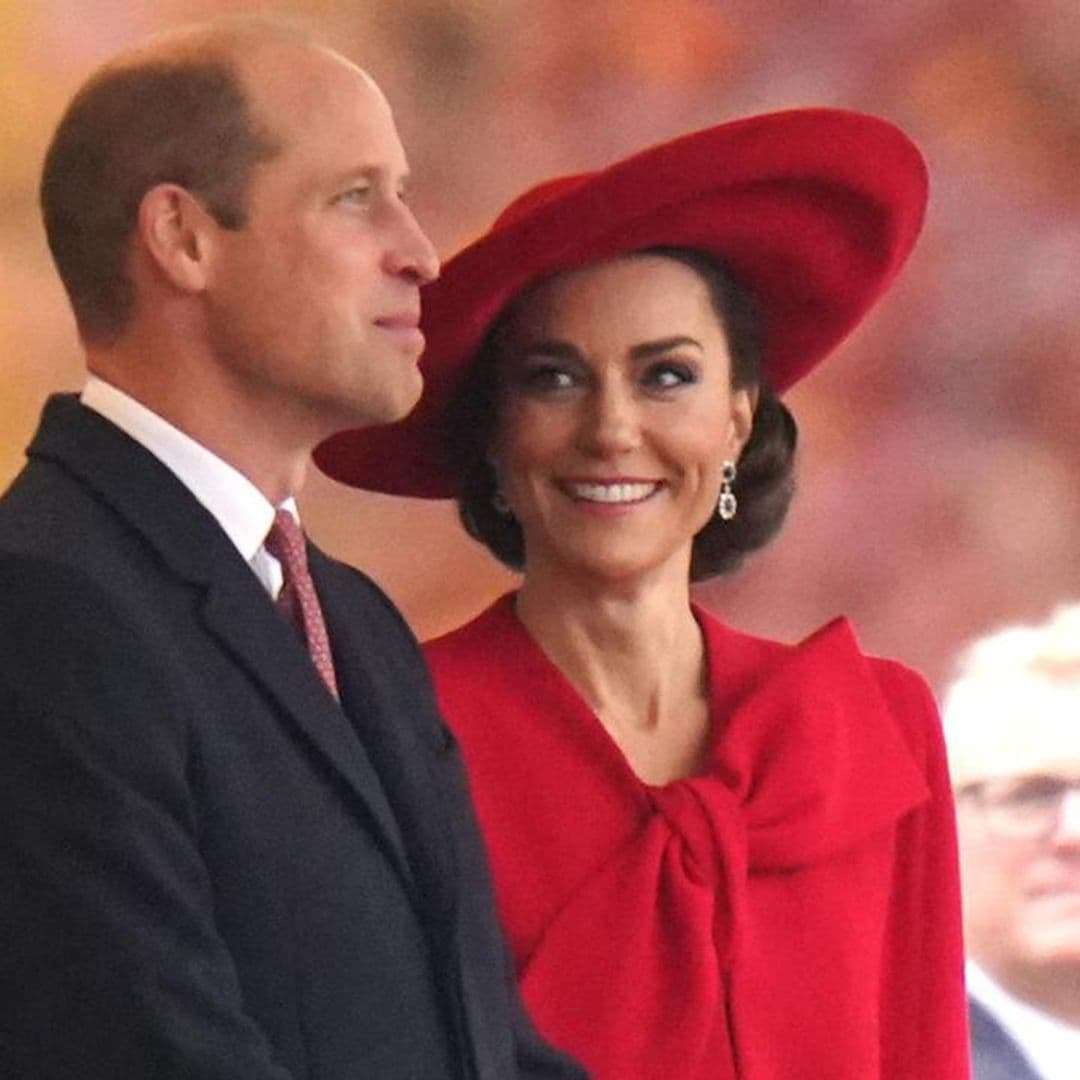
(940,452)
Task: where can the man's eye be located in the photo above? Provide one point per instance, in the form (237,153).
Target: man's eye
(1030,794)
(354,195)
(1036,790)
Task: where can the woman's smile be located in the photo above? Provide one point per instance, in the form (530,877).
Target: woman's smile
(616,412)
(611,494)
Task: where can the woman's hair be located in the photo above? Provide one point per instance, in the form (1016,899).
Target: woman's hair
(765,481)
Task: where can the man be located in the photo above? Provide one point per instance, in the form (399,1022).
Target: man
(235,838)
(1012,721)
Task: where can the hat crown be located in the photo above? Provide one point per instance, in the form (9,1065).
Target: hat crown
(813,210)
(528,203)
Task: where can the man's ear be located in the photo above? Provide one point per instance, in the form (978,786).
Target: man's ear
(177,233)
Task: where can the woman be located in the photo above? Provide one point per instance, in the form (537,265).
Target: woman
(716,856)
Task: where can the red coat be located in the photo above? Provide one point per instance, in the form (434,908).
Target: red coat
(793,914)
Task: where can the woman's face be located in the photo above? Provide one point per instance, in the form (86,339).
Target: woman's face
(616,413)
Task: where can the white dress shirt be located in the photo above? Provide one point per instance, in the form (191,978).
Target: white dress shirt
(1051,1045)
(241,510)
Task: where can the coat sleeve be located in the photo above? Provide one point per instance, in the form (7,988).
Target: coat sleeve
(110,962)
(923,1011)
(537,1061)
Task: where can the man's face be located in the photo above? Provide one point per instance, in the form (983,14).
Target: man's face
(312,306)
(1020,867)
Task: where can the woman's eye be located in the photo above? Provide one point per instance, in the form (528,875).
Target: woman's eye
(546,378)
(669,375)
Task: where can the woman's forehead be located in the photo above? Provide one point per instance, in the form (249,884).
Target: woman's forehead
(624,295)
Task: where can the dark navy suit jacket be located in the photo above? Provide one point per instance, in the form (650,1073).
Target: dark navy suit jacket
(209,869)
(994,1055)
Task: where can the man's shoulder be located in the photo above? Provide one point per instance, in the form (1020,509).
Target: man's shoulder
(994,1055)
(360,615)
(346,582)
(49,505)
(47,512)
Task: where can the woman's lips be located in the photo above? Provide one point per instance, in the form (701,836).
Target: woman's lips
(619,492)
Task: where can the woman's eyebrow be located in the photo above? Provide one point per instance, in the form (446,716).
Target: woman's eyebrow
(558,350)
(663,345)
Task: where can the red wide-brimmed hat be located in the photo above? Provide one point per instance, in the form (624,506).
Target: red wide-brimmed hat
(814,209)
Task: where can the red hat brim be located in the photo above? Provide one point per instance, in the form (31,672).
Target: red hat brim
(815,210)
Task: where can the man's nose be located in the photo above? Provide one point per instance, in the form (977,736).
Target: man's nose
(412,254)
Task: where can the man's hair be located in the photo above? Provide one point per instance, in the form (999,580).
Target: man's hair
(1015,699)
(765,482)
(183,121)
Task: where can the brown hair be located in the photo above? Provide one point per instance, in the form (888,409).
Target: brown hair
(765,482)
(184,121)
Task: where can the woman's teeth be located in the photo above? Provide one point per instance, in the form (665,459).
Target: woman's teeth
(612,493)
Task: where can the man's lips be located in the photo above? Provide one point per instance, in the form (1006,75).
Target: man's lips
(405,329)
(404,321)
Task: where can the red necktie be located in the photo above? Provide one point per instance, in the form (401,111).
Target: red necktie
(297,600)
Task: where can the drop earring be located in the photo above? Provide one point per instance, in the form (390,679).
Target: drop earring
(727,504)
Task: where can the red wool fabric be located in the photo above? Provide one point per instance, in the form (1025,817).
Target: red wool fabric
(298,600)
(792,914)
(815,210)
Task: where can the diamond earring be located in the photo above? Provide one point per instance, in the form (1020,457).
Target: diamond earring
(727,504)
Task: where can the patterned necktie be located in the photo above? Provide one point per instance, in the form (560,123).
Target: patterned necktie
(297,600)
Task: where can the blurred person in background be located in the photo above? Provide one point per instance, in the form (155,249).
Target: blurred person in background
(717,856)
(1012,723)
(236,841)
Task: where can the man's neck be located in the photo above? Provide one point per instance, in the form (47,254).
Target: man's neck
(1052,989)
(212,413)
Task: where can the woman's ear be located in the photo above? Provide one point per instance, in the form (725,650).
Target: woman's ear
(176,232)
(743,406)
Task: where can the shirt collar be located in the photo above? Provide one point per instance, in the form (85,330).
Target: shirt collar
(1051,1045)
(242,511)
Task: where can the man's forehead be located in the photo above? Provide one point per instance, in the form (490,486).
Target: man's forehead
(316,102)
(230,39)
(1013,726)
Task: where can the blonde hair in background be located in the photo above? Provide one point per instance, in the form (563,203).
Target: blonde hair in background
(1013,708)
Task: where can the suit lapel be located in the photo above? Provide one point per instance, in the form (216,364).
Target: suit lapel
(384,693)
(262,642)
(236,609)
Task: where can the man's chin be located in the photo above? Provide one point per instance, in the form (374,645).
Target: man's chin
(383,409)
(403,404)
(1054,933)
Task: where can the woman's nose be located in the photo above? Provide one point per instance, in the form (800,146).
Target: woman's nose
(612,425)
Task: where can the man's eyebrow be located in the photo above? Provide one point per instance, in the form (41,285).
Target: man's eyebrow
(371,173)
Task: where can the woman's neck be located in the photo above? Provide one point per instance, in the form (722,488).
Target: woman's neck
(636,656)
